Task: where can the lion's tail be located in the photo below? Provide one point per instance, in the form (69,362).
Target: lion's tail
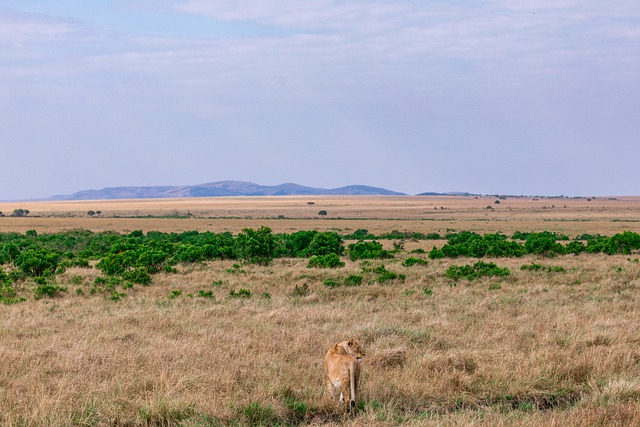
(352,378)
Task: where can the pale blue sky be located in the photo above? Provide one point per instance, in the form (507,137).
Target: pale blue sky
(510,97)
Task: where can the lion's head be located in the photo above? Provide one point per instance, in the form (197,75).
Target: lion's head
(353,348)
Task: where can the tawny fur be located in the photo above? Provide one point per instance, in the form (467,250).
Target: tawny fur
(342,370)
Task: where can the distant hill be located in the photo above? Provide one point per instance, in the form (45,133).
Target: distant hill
(451,193)
(222,188)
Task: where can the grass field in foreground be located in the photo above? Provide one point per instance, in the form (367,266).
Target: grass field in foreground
(557,345)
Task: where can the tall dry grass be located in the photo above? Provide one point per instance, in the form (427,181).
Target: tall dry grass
(531,349)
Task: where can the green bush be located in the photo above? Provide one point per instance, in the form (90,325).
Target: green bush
(117,296)
(117,262)
(332,283)
(138,275)
(469,244)
(472,272)
(8,295)
(384,276)
(38,262)
(256,246)
(150,258)
(367,250)
(622,243)
(77,262)
(325,243)
(47,290)
(360,234)
(295,245)
(174,294)
(9,253)
(543,244)
(106,284)
(235,269)
(206,294)
(575,248)
(4,279)
(353,280)
(597,245)
(411,261)
(187,253)
(325,261)
(241,293)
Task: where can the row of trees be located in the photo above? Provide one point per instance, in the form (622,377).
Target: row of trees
(17,213)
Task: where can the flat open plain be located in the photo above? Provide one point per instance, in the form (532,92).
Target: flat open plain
(425,214)
(553,344)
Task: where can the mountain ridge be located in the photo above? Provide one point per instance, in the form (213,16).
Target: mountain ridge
(222,189)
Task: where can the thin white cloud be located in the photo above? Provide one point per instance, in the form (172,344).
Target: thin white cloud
(306,15)
(18,29)
(363,49)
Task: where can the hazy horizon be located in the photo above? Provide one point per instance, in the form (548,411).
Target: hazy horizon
(531,98)
(426,193)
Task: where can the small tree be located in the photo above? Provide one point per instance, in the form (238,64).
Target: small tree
(322,213)
(38,262)
(91,213)
(325,243)
(256,246)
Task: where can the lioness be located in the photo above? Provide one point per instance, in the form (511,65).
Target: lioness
(342,369)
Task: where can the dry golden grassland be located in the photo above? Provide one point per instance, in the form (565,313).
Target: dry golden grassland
(534,348)
(377,214)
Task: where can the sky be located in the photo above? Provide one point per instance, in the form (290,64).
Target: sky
(515,97)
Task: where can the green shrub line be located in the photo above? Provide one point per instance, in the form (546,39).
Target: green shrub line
(469,244)
(130,259)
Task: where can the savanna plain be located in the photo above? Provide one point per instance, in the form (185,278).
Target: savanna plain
(555,341)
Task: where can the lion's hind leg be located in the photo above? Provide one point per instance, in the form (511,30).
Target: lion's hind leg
(345,393)
(330,390)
